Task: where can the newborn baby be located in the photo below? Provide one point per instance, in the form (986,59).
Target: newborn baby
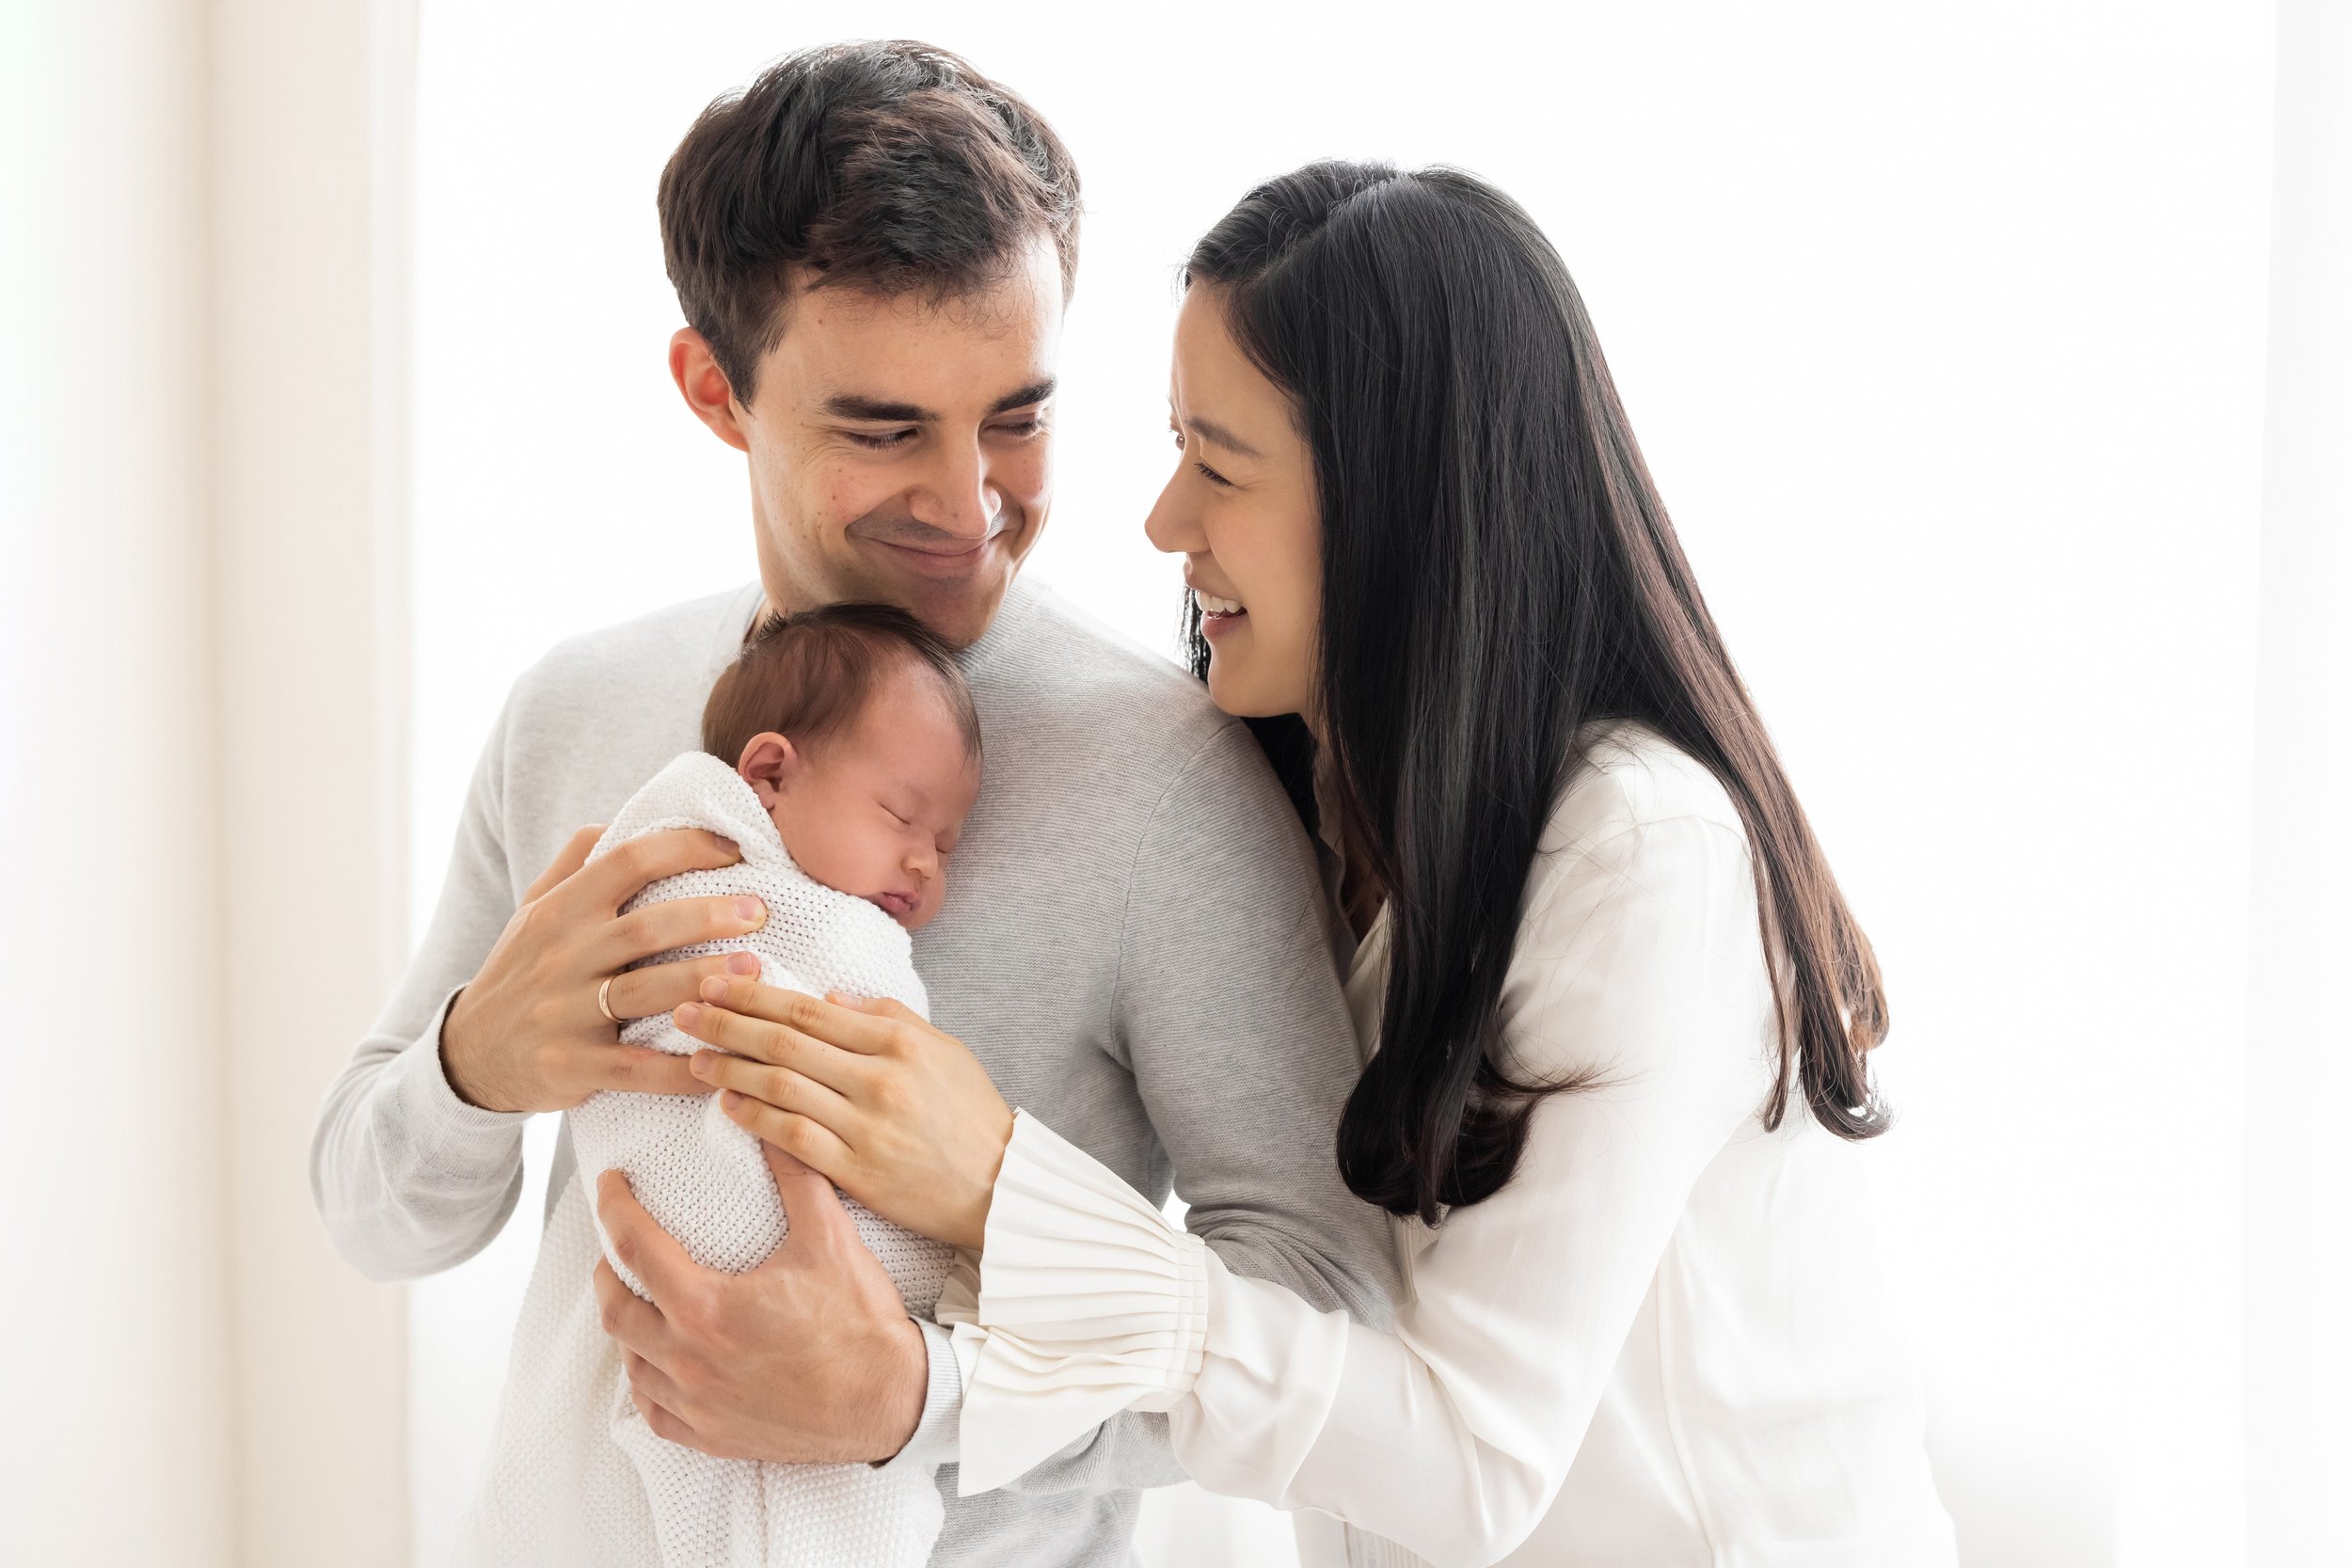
(841,753)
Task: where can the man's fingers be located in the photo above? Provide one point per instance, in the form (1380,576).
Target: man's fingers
(622,874)
(652,1254)
(652,928)
(634,1323)
(567,859)
(652,1382)
(639,1069)
(658,988)
(812,1209)
(663,1423)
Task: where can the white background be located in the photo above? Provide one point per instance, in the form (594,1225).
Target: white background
(1945,333)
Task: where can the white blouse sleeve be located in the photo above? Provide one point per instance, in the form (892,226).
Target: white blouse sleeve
(1639,956)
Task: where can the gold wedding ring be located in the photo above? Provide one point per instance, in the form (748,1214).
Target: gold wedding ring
(604,998)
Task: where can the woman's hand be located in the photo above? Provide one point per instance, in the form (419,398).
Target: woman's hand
(898,1114)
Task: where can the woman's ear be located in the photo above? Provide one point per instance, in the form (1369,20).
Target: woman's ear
(767,763)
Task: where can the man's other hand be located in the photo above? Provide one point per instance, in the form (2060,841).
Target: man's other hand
(527,1034)
(810,1358)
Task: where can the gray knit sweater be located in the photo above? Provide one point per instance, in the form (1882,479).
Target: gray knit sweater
(1133,947)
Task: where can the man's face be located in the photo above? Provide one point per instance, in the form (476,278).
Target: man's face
(901,449)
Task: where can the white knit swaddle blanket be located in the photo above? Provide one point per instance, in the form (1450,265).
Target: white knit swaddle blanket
(706,1181)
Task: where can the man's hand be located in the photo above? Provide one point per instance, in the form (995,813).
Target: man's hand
(526,1033)
(808,1360)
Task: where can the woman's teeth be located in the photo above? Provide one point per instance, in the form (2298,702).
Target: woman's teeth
(1212,605)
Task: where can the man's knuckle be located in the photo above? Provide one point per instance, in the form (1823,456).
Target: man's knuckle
(637,930)
(689,1310)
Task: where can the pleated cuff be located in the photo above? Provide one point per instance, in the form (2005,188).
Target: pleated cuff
(1085,1301)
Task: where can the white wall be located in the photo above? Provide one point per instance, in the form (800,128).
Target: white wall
(113,1291)
(1945,332)
(198,775)
(307,409)
(2298,1212)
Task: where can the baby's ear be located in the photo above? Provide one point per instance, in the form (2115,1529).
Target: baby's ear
(767,762)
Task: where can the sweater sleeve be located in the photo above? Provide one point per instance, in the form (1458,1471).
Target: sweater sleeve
(1451,1434)
(409,1178)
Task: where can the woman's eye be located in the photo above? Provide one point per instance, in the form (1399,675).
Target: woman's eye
(1211,474)
(883,442)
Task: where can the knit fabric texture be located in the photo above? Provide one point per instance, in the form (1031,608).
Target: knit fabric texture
(704,1181)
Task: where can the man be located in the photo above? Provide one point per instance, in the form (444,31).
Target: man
(873,246)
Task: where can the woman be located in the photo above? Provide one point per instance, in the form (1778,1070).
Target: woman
(1613,1009)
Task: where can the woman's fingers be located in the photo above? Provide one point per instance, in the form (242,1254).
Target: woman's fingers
(810,1142)
(775,1044)
(868,1034)
(779,1087)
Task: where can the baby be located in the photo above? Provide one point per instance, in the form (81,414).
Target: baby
(841,753)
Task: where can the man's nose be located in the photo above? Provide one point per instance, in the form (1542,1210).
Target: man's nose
(956,497)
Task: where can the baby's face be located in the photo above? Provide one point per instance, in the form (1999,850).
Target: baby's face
(874,810)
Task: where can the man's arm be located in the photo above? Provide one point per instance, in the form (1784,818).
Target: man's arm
(418,1158)
(408,1177)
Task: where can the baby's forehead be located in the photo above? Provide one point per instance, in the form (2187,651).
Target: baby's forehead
(922,740)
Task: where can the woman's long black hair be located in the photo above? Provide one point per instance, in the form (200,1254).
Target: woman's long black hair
(1498,570)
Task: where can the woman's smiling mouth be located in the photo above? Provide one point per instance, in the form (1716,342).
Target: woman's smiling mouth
(1219,615)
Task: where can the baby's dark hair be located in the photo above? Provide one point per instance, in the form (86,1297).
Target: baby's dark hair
(810,676)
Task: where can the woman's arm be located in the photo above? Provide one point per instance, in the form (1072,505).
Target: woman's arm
(1639,955)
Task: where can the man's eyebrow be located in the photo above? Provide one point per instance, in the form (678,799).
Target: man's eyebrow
(1035,391)
(849,406)
(1224,437)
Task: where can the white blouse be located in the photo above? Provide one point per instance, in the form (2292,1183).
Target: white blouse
(1662,1342)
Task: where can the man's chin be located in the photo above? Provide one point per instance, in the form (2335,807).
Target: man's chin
(956,605)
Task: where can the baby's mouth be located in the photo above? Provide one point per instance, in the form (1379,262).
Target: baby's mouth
(898,906)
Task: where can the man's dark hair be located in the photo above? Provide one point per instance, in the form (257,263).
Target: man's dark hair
(893,167)
(809,676)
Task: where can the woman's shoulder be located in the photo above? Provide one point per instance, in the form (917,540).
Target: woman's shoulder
(1626,776)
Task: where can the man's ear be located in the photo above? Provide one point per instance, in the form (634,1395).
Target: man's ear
(706,386)
(767,761)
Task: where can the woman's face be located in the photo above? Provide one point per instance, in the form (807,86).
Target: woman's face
(1241,510)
